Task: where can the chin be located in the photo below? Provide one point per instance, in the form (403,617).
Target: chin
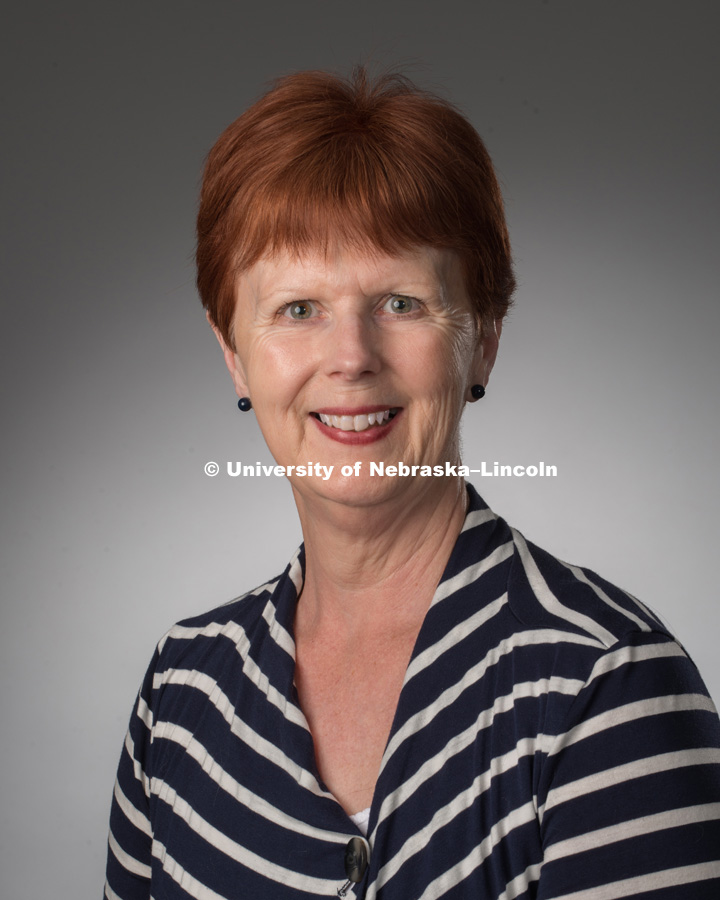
(361,491)
(366,491)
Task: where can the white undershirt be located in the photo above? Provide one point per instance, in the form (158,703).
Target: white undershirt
(361,819)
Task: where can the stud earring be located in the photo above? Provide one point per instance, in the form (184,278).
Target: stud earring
(477,391)
(244,404)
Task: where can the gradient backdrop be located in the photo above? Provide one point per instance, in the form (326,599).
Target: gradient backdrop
(602,119)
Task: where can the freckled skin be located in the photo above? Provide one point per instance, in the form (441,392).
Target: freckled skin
(353,349)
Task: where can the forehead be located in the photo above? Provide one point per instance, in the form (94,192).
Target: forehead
(347,270)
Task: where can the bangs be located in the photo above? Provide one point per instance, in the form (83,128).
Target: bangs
(355,199)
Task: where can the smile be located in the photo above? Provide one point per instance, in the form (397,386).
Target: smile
(359,422)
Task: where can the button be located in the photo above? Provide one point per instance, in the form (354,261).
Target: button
(357,857)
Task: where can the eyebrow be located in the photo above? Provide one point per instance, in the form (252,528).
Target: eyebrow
(306,290)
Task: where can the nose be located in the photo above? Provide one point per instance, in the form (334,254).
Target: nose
(353,347)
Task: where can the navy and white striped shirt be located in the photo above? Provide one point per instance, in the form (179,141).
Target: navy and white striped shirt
(551,740)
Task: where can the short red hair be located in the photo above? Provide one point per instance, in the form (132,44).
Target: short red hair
(377,164)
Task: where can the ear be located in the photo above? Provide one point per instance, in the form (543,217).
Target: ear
(232,361)
(486,352)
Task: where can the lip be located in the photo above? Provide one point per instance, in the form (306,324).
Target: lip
(356,438)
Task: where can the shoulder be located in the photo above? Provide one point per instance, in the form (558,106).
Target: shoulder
(552,619)
(228,630)
(544,591)
(619,651)
(242,610)
(541,591)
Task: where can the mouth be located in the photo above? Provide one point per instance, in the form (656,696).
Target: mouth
(359,421)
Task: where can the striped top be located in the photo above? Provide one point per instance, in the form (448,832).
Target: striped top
(551,740)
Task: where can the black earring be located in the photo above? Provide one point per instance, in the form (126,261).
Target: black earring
(477,391)
(244,404)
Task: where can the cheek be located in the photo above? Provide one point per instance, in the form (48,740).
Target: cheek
(441,363)
(277,370)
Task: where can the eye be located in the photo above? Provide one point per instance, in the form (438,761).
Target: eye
(300,310)
(399,304)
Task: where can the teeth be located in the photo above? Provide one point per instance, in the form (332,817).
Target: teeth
(357,423)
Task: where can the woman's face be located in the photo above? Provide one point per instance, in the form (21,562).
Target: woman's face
(353,358)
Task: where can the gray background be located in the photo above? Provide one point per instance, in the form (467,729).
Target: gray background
(602,120)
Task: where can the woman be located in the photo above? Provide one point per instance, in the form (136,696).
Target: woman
(423,704)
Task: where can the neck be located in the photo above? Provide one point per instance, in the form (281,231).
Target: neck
(371,568)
